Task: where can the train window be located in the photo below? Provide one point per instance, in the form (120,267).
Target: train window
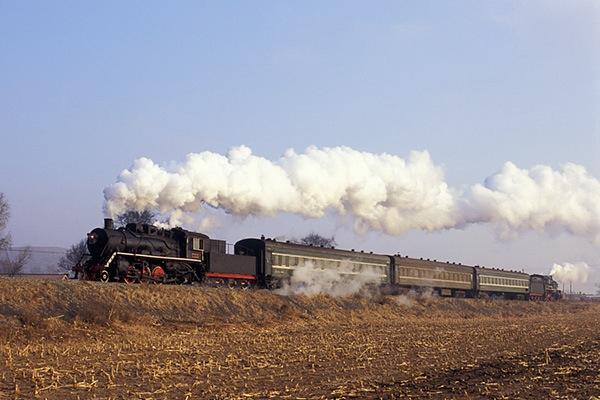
(197,244)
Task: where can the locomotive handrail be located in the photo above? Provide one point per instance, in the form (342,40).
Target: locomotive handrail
(120,253)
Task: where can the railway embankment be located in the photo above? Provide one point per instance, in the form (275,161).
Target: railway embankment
(29,304)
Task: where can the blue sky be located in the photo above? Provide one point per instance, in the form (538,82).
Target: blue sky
(85,88)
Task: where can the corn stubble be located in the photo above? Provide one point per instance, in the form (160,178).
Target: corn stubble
(69,340)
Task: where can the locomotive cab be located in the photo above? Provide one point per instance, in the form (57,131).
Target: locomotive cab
(194,246)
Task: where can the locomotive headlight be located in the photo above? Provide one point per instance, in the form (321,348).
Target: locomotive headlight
(92,238)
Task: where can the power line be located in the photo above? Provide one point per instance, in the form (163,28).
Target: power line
(38,251)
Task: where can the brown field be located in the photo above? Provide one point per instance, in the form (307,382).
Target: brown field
(69,340)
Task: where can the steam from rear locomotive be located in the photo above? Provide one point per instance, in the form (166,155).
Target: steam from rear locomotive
(382,192)
(571,272)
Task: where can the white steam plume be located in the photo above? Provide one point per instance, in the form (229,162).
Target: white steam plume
(381,192)
(540,199)
(345,280)
(578,272)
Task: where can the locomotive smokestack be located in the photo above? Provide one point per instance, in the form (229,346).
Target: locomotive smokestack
(108,223)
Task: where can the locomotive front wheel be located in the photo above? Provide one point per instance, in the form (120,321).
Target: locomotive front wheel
(104,276)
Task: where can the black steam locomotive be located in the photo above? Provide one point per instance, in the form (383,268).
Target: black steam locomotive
(145,253)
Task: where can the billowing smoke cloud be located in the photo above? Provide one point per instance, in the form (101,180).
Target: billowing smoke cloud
(540,199)
(346,280)
(380,192)
(575,273)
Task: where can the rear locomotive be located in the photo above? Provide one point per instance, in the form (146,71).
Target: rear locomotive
(544,288)
(142,252)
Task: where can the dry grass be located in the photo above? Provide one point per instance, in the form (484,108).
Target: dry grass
(85,340)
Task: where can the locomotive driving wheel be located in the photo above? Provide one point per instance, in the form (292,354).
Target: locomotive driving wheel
(146,275)
(158,274)
(133,275)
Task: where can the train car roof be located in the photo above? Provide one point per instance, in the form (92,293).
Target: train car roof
(419,262)
(302,249)
(502,272)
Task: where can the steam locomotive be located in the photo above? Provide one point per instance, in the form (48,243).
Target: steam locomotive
(145,253)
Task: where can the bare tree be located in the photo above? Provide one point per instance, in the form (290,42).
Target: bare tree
(10,265)
(137,217)
(4,215)
(317,240)
(73,255)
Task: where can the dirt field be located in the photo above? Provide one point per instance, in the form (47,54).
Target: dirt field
(69,340)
